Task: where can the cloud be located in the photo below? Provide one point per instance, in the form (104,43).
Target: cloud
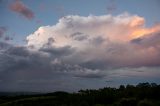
(8,38)
(2,31)
(149,40)
(102,42)
(20,8)
(124,26)
(88,73)
(61,51)
(21,65)
(79,50)
(79,36)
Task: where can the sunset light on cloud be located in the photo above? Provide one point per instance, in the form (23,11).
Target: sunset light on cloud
(81,47)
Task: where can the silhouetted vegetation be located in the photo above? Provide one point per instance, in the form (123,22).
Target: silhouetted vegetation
(143,94)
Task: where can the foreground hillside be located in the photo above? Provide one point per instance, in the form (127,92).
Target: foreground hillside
(143,94)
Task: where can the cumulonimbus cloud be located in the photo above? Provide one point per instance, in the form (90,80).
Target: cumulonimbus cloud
(78,47)
(124,26)
(19,7)
(103,41)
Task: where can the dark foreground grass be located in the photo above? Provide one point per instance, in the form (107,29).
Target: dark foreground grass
(143,94)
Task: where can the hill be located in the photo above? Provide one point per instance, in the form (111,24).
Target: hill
(143,94)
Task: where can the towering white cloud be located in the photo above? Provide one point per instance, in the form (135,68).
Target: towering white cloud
(102,41)
(115,28)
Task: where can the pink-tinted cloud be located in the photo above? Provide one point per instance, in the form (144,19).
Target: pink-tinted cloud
(19,7)
(103,41)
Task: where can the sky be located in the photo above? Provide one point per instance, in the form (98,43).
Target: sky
(68,45)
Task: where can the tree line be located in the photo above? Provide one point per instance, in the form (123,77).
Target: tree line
(142,94)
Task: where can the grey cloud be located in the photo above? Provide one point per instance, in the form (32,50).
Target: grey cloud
(79,36)
(151,40)
(76,34)
(8,38)
(21,68)
(126,55)
(136,41)
(4,46)
(90,75)
(97,40)
(96,64)
(58,51)
(2,31)
(18,51)
(24,67)
(118,55)
(50,42)
(19,63)
(150,43)
(21,58)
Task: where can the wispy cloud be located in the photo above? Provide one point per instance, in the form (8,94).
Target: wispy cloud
(20,8)
(111,6)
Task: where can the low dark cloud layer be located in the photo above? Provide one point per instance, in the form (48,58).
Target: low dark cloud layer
(20,8)
(23,68)
(26,66)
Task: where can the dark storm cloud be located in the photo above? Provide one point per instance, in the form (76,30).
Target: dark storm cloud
(20,62)
(19,55)
(19,7)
